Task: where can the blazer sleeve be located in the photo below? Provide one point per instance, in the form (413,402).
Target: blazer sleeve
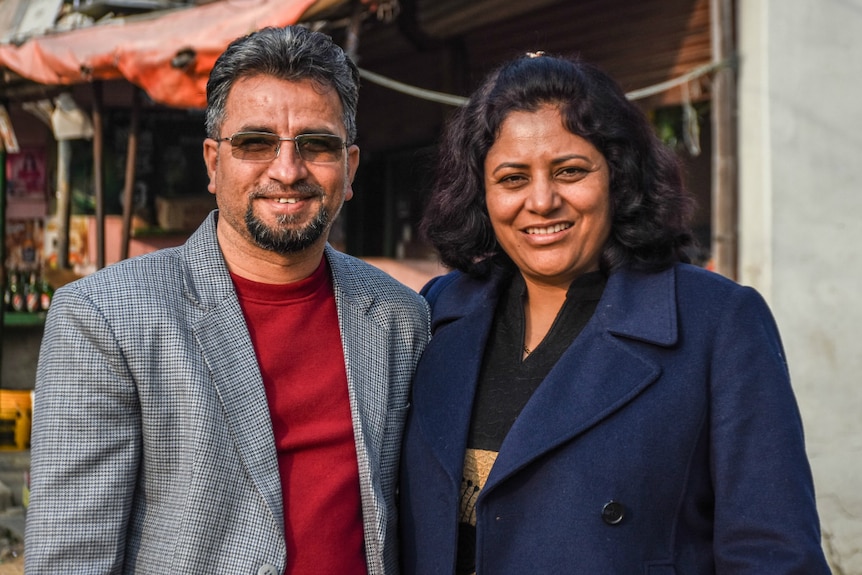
(765,514)
(85,444)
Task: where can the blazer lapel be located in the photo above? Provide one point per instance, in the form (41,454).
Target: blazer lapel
(226,346)
(364,343)
(366,351)
(598,374)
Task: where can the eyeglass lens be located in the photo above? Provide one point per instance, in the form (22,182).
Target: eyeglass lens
(264,147)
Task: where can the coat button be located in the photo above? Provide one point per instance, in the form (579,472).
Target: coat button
(613,512)
(267,569)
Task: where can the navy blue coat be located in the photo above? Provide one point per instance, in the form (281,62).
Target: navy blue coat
(667,440)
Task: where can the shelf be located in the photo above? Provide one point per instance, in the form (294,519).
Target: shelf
(19,319)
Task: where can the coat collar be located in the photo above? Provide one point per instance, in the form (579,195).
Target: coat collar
(599,373)
(636,305)
(641,306)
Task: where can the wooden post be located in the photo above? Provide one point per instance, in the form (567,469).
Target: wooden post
(724,158)
(5,276)
(131,157)
(64,201)
(98,179)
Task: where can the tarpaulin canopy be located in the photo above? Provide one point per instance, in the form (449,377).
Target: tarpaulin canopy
(169,55)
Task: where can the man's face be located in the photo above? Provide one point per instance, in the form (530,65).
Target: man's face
(285,205)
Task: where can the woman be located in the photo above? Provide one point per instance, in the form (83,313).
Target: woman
(590,402)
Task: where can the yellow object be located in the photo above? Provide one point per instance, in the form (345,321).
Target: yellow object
(16,415)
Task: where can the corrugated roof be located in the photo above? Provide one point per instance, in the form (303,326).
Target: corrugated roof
(168,54)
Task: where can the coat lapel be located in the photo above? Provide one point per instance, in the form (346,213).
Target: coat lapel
(601,372)
(595,377)
(450,368)
(227,349)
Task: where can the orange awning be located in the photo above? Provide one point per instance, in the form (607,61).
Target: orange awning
(141,50)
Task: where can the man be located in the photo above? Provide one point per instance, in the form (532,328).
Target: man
(235,405)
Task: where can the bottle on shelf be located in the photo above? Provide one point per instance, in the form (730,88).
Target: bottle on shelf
(46,293)
(32,297)
(7,292)
(16,291)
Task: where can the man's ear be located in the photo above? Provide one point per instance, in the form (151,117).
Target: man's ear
(352,166)
(210,150)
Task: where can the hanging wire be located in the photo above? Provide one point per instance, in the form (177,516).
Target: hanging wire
(451,100)
(422,93)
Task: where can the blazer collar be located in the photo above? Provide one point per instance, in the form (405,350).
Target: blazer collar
(207,281)
(348,279)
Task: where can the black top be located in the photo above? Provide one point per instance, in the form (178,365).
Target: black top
(507,381)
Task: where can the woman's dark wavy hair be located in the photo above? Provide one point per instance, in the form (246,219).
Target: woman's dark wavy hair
(650,207)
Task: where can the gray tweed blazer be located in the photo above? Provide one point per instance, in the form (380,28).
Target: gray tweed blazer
(152,448)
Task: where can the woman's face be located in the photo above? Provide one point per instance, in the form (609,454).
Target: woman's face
(547,193)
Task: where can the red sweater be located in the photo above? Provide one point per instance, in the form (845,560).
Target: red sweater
(294,329)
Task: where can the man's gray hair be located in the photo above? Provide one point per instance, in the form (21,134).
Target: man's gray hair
(292,53)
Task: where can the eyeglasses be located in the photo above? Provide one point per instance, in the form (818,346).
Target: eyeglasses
(264,147)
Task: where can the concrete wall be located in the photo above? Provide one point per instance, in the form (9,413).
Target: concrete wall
(801,228)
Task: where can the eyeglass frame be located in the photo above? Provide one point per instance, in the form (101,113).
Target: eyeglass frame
(296,140)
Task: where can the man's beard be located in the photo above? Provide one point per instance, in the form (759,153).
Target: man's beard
(284,238)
